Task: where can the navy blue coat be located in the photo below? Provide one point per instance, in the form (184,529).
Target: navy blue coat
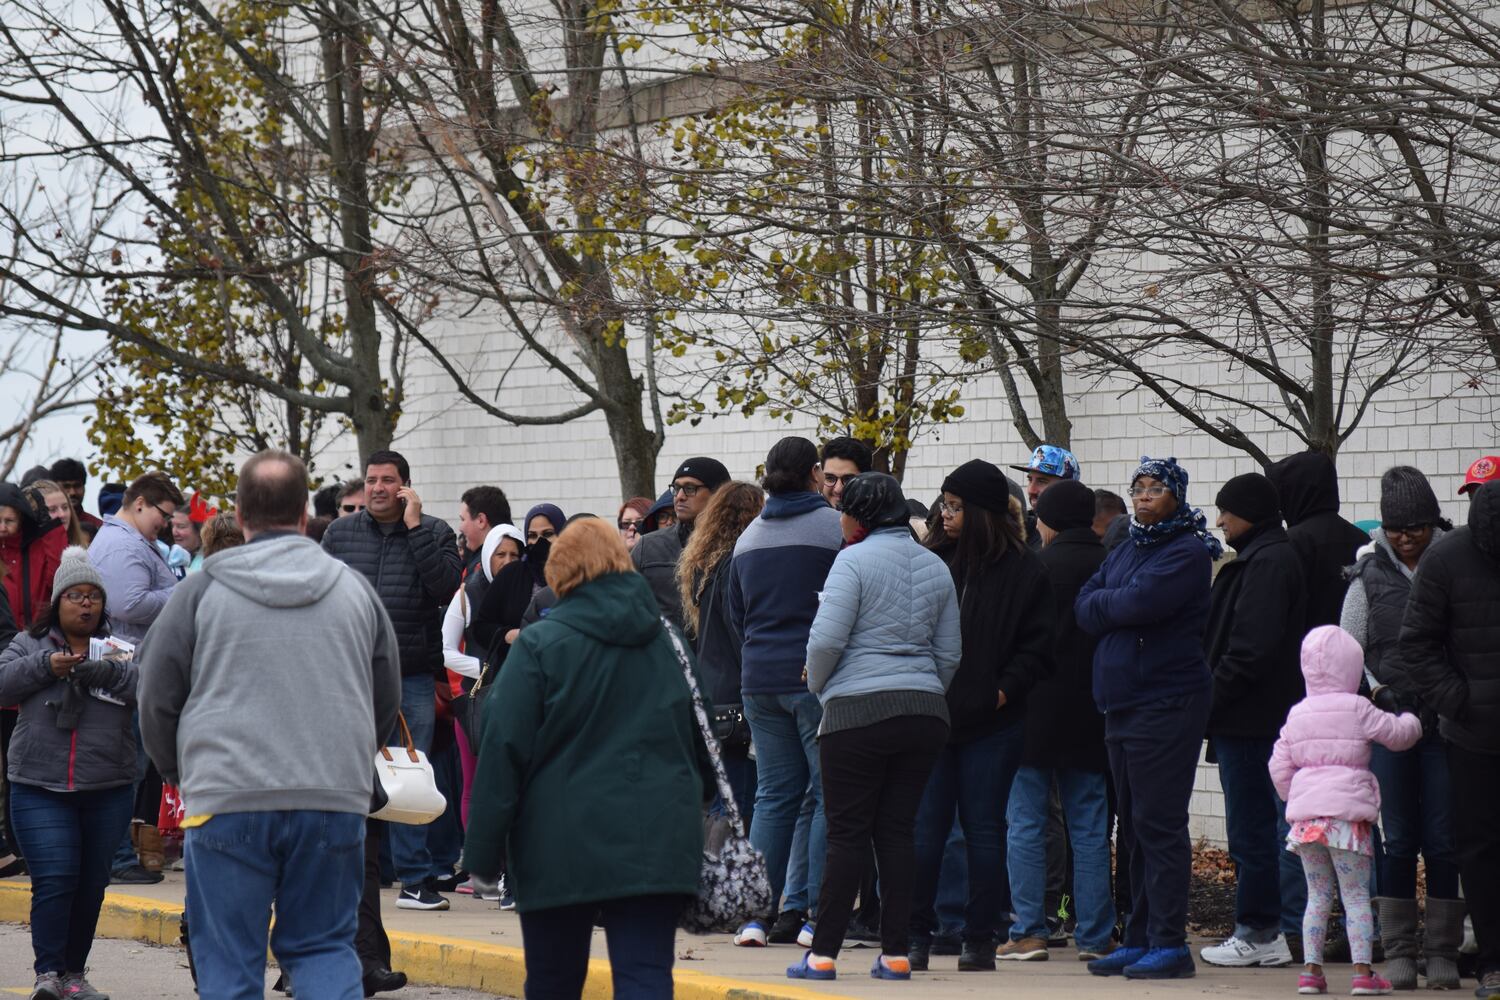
(1148,607)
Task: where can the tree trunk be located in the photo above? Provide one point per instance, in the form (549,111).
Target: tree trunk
(635,443)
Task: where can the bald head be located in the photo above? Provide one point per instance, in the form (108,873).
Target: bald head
(272,493)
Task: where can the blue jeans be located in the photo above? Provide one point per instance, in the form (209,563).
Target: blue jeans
(953,883)
(975,776)
(640,931)
(67,839)
(740,769)
(1270,888)
(125,855)
(409,843)
(800,896)
(311,866)
(785,730)
(445,835)
(1085,804)
(1416,812)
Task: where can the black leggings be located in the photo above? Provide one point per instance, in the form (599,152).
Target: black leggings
(873,779)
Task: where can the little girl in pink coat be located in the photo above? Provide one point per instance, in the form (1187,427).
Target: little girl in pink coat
(1321,767)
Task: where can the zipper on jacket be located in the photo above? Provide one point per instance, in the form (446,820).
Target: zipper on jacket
(72,757)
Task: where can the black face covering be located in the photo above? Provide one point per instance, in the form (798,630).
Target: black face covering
(536,555)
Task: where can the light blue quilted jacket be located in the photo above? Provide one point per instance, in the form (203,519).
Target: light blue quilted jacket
(887,621)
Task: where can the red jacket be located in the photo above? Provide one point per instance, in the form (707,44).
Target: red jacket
(35,564)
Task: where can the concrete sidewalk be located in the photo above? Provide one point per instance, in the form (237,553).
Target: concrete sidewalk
(476,946)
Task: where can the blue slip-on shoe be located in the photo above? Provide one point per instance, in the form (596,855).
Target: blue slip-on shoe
(899,967)
(805,969)
(1164,963)
(1115,962)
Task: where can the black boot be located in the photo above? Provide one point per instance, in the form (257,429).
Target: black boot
(977,956)
(917,955)
(383,981)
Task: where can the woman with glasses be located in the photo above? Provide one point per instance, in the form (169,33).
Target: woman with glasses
(1148,607)
(1416,813)
(631,520)
(71,767)
(1005,615)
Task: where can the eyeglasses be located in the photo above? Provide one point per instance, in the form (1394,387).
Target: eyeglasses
(1154,492)
(82,596)
(955,509)
(532,537)
(687,489)
(1407,530)
(351,508)
(829,479)
(162,510)
(629,525)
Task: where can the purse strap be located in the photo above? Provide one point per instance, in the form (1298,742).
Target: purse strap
(407,741)
(721,778)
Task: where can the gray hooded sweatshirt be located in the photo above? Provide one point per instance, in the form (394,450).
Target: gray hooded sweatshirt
(266,679)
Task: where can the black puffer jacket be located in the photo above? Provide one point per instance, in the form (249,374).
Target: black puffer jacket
(1254,638)
(1005,612)
(655,558)
(717,643)
(1064,728)
(415,572)
(98,753)
(1447,654)
(1308,485)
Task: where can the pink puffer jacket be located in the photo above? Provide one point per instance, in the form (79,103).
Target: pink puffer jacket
(1321,764)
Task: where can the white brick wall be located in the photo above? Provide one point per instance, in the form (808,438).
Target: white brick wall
(1439,422)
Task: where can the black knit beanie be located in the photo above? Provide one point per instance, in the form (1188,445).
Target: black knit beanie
(708,471)
(1251,496)
(1066,504)
(1406,498)
(875,500)
(980,483)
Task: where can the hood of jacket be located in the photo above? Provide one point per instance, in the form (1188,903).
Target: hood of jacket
(1484,519)
(492,540)
(616,609)
(1307,483)
(791,504)
(284,571)
(25,503)
(1332,661)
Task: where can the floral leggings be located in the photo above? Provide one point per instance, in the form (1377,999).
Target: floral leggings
(1322,864)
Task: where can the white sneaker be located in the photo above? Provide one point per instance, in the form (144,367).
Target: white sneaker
(1235,953)
(752,935)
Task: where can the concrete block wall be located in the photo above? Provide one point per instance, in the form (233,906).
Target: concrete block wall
(1439,421)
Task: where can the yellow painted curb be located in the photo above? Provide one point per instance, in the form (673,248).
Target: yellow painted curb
(441,961)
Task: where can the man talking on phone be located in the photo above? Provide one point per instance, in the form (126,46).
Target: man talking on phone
(412,561)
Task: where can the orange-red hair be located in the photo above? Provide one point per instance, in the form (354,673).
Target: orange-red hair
(586,550)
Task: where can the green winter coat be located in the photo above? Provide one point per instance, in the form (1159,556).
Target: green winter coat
(591,771)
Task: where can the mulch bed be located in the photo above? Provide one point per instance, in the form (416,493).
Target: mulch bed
(1211,896)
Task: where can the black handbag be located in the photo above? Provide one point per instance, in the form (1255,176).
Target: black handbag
(731,729)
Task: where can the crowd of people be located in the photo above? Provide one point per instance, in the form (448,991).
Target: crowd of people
(969,728)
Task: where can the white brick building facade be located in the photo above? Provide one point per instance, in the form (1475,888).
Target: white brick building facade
(1438,423)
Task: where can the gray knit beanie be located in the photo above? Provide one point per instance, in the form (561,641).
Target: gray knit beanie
(74,570)
(1406,498)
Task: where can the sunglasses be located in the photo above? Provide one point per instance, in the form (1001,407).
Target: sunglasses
(629,525)
(351,508)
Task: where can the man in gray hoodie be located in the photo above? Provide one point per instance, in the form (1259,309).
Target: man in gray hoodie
(265,685)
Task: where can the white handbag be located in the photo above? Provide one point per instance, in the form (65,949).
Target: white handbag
(410,787)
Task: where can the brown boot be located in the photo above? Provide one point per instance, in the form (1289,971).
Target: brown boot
(149,847)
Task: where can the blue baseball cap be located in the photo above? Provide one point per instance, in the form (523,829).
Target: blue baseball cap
(1050,460)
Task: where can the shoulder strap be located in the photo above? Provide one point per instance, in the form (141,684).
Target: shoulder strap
(704,726)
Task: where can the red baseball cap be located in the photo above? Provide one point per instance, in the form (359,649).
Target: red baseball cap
(1482,471)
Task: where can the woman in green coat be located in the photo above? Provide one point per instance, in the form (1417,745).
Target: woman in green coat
(591,779)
